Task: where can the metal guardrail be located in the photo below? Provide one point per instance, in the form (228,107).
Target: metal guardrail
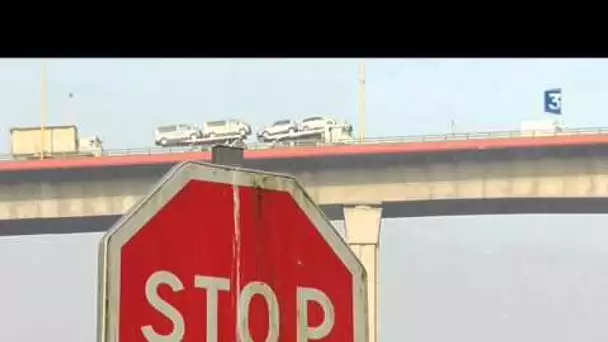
(367,141)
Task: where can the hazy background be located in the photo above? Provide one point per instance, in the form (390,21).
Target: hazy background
(470,279)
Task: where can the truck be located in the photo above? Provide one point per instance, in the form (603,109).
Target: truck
(204,143)
(59,142)
(336,134)
(541,127)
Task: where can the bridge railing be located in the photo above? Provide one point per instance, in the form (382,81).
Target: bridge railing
(367,141)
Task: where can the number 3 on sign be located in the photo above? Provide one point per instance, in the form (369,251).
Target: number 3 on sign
(553,101)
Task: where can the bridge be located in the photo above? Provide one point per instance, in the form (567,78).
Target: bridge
(359,183)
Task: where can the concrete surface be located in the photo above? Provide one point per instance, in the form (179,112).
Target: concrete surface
(101,192)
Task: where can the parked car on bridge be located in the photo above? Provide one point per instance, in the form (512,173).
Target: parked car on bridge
(315,123)
(286,126)
(225,128)
(171,134)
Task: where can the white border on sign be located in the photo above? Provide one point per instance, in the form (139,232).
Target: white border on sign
(175,180)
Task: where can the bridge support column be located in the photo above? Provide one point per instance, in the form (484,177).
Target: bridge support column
(362,224)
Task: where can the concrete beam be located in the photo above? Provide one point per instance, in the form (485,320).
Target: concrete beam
(104,194)
(362,224)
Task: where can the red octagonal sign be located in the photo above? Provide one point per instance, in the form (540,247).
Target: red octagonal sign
(217,253)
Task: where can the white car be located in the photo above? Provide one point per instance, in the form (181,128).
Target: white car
(278,127)
(316,123)
(226,127)
(170,134)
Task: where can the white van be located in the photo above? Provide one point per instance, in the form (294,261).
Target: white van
(171,134)
(225,127)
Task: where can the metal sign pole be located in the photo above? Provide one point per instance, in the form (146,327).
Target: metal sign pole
(227,155)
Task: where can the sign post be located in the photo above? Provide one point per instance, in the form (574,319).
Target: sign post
(227,155)
(217,253)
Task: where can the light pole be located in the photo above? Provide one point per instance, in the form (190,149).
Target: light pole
(362,100)
(71,110)
(43,112)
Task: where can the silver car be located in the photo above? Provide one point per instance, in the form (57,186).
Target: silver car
(316,123)
(278,127)
(226,127)
(171,134)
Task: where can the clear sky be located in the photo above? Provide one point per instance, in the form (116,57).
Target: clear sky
(123,100)
(473,279)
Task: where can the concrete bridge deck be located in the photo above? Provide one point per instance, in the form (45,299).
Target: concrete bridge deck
(530,175)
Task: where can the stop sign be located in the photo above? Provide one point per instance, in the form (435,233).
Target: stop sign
(217,253)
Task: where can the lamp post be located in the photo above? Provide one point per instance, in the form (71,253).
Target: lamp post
(43,112)
(362,100)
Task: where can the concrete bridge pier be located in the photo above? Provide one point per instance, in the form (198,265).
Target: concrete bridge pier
(362,225)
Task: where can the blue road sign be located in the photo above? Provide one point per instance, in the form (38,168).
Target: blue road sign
(553,101)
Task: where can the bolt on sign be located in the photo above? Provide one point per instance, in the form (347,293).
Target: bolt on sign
(218,253)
